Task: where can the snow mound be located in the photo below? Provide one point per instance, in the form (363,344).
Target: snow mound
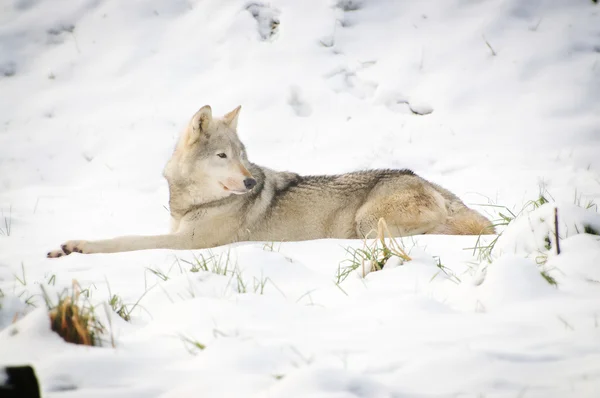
(328,383)
(535,231)
(577,268)
(513,280)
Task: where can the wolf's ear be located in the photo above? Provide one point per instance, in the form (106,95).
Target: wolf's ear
(202,119)
(232,117)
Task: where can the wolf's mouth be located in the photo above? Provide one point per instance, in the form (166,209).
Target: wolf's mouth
(234,191)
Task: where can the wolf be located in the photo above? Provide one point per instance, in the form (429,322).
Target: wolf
(217,196)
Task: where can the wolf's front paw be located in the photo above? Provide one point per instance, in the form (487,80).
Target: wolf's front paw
(72,246)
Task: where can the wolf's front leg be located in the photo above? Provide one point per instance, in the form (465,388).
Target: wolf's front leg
(125,244)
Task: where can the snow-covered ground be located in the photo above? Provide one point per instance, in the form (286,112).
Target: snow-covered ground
(94,93)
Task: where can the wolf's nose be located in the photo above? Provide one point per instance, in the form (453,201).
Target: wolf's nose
(249,183)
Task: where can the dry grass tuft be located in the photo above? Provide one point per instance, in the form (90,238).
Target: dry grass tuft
(73,318)
(373,255)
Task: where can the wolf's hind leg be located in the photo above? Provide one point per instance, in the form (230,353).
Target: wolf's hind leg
(124,244)
(407,212)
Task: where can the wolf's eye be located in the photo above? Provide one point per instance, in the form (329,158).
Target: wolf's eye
(221,155)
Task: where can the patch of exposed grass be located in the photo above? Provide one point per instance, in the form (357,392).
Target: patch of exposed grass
(220,265)
(116,304)
(23,279)
(239,280)
(6,229)
(369,259)
(73,318)
(124,310)
(484,251)
(223,264)
(587,204)
(258,284)
(28,298)
(547,242)
(373,255)
(271,246)
(443,269)
(158,273)
(191,345)
(548,278)
(588,229)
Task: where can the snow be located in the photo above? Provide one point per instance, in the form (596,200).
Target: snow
(494,100)
(532,231)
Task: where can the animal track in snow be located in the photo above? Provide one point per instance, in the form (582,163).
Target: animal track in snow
(297,102)
(349,5)
(345,80)
(345,18)
(8,69)
(396,102)
(267,18)
(56,34)
(417,108)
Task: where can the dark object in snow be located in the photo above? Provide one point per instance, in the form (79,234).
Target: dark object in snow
(556,236)
(19,382)
(588,229)
(420,109)
(8,69)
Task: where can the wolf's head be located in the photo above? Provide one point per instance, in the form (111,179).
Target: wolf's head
(210,161)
